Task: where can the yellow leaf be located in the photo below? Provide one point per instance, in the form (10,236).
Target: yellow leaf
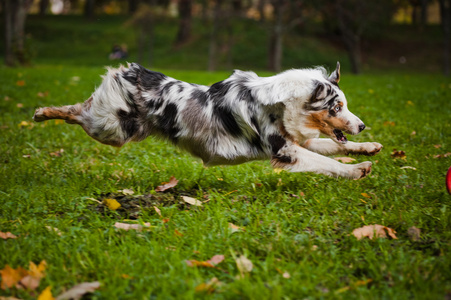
(46,294)
(10,276)
(366,195)
(277,170)
(57,122)
(111,203)
(37,271)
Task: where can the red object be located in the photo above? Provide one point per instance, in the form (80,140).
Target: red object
(448,180)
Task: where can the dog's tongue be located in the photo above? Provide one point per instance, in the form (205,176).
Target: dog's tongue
(340,136)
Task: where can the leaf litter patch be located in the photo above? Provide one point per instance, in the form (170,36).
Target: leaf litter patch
(131,206)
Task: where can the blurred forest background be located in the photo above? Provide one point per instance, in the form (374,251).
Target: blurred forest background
(365,35)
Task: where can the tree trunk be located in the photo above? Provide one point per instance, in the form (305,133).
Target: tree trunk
(445,13)
(184,31)
(132,6)
(212,48)
(15,14)
(424,13)
(261,10)
(89,9)
(276,38)
(43,6)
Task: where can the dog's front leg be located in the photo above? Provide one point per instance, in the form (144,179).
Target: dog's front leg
(329,147)
(298,159)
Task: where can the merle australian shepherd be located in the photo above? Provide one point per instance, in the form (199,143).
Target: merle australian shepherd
(242,118)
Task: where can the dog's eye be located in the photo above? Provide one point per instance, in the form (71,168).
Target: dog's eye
(338,108)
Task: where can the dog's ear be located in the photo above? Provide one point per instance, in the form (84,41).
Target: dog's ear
(319,93)
(335,75)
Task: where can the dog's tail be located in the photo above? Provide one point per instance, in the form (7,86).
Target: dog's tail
(70,113)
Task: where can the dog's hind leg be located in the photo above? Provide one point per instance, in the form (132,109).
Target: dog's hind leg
(70,113)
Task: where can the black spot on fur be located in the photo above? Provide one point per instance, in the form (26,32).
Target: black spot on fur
(272,118)
(167,87)
(150,79)
(254,122)
(276,142)
(154,104)
(228,121)
(167,122)
(181,88)
(128,121)
(257,143)
(219,90)
(200,96)
(244,94)
(282,159)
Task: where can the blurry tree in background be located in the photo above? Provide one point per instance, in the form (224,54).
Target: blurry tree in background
(185,15)
(353,18)
(15,14)
(445,14)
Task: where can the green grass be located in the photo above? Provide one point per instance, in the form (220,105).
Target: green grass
(307,236)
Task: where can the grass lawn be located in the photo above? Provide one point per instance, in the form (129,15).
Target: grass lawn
(296,229)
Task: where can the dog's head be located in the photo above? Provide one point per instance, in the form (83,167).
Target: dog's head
(324,111)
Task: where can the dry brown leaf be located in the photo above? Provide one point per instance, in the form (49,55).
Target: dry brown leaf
(9,298)
(57,153)
(77,291)
(20,82)
(7,235)
(235,228)
(192,201)
(344,159)
(442,155)
(389,123)
(211,263)
(29,282)
(10,276)
(244,265)
(126,226)
(54,229)
(414,233)
(126,192)
(208,287)
(177,233)
(371,230)
(167,185)
(398,154)
(158,211)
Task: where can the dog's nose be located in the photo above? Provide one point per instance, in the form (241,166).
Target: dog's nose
(361,127)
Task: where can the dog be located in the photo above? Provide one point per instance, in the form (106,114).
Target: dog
(242,118)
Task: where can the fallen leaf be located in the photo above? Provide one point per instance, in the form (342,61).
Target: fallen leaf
(192,201)
(20,82)
(244,265)
(29,282)
(208,287)
(126,226)
(442,155)
(19,105)
(408,167)
(37,271)
(10,276)
(55,230)
(414,233)
(46,294)
(26,155)
(398,154)
(25,124)
(389,123)
(58,122)
(437,146)
(165,220)
(7,235)
(9,298)
(167,185)
(126,192)
(111,203)
(235,228)
(344,159)
(43,94)
(158,211)
(370,230)
(365,195)
(57,153)
(77,291)
(211,263)
(6,98)
(177,233)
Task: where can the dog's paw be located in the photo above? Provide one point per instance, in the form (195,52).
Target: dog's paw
(39,115)
(369,149)
(361,170)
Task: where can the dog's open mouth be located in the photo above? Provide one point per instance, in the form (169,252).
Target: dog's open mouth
(340,136)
